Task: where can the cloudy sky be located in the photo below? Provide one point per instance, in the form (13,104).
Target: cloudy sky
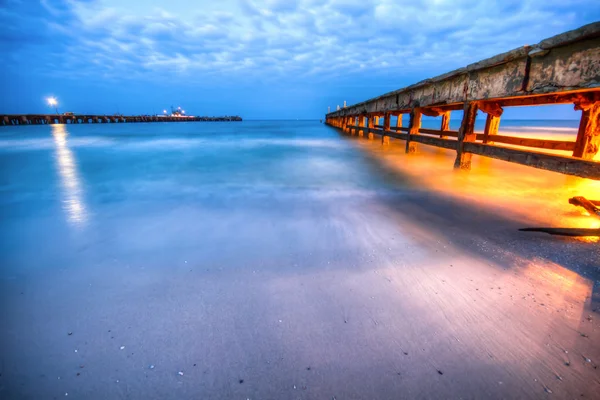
(255,58)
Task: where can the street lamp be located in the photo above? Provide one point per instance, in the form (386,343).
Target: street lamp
(53,103)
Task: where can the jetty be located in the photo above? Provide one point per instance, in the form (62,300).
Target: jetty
(43,119)
(564,69)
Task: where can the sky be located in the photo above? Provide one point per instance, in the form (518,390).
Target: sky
(269,59)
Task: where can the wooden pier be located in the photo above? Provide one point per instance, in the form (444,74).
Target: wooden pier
(42,119)
(561,69)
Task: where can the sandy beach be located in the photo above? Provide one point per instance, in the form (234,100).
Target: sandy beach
(309,293)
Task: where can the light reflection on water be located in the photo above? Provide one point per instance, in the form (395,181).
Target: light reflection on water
(66,165)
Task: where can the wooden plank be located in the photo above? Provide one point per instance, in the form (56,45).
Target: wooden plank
(588,136)
(413,129)
(438,132)
(434,141)
(466,134)
(550,162)
(530,142)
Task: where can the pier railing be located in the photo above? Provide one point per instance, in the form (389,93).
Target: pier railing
(562,69)
(42,119)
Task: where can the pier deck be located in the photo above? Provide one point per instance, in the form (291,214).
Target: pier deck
(558,70)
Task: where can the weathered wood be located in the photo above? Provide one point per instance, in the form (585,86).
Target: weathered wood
(434,141)
(431,112)
(413,129)
(445,124)
(491,108)
(550,162)
(490,132)
(586,204)
(385,139)
(399,121)
(530,142)
(361,123)
(466,134)
(438,132)
(588,135)
(371,126)
(573,232)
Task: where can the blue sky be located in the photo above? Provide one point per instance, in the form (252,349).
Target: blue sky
(258,59)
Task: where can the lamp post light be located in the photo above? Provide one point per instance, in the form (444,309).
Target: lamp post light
(53,103)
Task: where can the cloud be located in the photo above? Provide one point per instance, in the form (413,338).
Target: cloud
(302,40)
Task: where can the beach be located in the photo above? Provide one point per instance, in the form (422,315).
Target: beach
(283,259)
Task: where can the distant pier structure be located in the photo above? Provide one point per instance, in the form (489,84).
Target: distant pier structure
(558,70)
(70,118)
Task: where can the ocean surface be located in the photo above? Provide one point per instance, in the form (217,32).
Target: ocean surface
(64,185)
(78,176)
(240,248)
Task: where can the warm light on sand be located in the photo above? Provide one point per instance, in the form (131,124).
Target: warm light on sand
(67,168)
(529,195)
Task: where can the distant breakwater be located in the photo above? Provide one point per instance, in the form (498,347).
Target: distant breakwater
(48,119)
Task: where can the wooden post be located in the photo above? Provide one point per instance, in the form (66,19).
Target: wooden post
(466,134)
(376,120)
(413,129)
(371,135)
(588,136)
(361,122)
(492,123)
(399,121)
(386,128)
(445,124)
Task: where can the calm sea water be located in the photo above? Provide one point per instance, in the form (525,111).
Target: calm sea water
(80,175)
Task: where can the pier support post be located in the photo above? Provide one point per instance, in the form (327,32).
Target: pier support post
(399,121)
(386,128)
(371,135)
(588,136)
(492,122)
(445,124)
(466,134)
(413,129)
(361,123)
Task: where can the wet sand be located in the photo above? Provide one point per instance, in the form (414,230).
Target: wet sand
(423,293)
